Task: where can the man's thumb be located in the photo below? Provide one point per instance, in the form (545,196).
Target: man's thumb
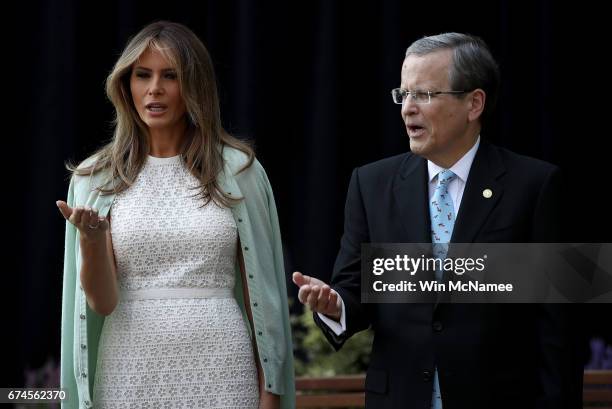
(300,279)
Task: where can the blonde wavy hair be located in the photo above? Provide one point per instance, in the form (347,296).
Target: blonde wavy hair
(126,153)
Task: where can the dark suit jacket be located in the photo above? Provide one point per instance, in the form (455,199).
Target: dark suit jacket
(487,355)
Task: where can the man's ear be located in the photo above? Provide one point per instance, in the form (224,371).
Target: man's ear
(476,101)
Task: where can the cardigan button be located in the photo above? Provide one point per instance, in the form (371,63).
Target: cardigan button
(86,403)
(84,375)
(82,316)
(240,220)
(254,304)
(269,385)
(246,249)
(83,346)
(265,359)
(260,333)
(250,275)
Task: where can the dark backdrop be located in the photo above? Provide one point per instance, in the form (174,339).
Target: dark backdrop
(309,82)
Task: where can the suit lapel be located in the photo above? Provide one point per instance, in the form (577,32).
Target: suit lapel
(475,207)
(411,191)
(411,197)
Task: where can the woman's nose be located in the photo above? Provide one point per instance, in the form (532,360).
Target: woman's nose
(155,86)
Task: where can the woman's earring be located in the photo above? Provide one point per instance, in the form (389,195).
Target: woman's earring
(192,120)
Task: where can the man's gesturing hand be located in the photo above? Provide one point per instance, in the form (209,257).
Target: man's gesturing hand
(318,296)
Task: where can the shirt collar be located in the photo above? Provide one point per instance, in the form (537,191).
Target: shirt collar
(461,168)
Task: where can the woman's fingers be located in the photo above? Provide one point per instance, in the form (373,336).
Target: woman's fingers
(93,219)
(64,209)
(76,216)
(90,220)
(85,218)
(103,223)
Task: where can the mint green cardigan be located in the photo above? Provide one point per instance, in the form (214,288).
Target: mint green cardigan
(259,233)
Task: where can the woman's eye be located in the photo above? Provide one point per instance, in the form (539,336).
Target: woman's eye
(169,75)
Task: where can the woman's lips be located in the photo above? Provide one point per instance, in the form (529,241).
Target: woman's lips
(156,109)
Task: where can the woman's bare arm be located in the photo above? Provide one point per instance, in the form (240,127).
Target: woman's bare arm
(98,270)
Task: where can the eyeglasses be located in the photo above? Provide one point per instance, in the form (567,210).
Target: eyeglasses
(420,97)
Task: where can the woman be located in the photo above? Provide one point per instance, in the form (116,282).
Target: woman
(174,290)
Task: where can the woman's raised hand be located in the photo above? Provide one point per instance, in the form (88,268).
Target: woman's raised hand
(86,219)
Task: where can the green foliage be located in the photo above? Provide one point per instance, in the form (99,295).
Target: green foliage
(314,356)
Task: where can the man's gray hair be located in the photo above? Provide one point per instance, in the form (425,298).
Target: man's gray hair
(473,65)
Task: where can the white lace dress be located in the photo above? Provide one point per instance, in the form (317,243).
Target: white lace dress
(177,338)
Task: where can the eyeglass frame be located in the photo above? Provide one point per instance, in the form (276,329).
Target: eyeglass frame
(428,93)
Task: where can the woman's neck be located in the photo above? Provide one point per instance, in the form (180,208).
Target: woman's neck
(164,142)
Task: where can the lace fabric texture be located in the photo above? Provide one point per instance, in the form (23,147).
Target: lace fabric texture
(166,351)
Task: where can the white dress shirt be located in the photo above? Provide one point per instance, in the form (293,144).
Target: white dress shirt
(461,168)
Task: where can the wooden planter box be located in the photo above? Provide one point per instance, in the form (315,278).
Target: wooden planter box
(348,391)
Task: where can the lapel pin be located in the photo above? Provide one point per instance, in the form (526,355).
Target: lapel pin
(487,193)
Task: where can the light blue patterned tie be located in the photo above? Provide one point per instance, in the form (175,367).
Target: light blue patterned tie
(442,213)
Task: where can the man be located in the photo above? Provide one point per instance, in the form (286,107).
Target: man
(450,355)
